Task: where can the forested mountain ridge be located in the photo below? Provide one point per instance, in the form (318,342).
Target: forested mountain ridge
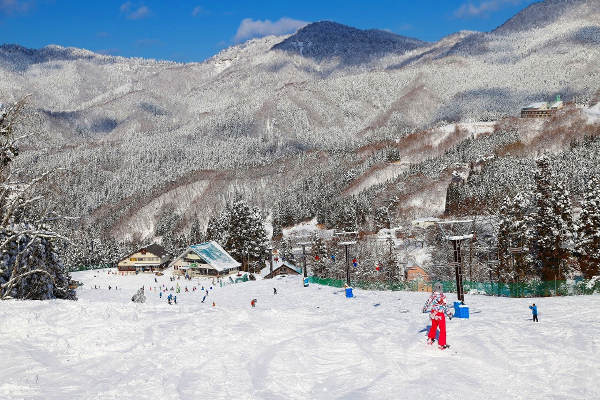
(288,125)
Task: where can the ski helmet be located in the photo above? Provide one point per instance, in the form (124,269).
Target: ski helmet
(437,287)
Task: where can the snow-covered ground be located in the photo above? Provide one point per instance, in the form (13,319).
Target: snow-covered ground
(300,343)
(593,113)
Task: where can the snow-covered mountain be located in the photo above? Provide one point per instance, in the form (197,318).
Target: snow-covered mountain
(328,40)
(263,115)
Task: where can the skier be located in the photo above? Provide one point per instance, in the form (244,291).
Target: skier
(160,295)
(534,311)
(204,298)
(175,299)
(274,291)
(437,306)
(253,303)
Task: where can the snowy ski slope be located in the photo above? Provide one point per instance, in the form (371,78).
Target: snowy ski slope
(300,343)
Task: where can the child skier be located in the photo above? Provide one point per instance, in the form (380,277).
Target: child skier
(438,308)
(534,312)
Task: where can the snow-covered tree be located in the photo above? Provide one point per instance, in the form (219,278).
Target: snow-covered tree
(218,226)
(318,253)
(29,265)
(552,223)
(286,251)
(513,238)
(196,234)
(240,230)
(382,218)
(588,232)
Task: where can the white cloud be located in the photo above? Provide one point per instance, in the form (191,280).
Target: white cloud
(198,11)
(15,6)
(252,29)
(135,11)
(470,10)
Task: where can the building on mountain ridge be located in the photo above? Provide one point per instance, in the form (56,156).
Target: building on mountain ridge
(542,109)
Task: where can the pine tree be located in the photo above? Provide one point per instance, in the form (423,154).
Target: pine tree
(318,254)
(382,219)
(196,235)
(553,223)
(218,227)
(286,251)
(588,232)
(347,221)
(240,230)
(513,238)
(277,228)
(390,265)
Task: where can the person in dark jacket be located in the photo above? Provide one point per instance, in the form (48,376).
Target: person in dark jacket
(534,311)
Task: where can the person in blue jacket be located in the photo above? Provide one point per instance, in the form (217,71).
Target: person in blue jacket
(534,311)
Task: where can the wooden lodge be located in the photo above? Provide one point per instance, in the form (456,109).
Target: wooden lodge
(147,259)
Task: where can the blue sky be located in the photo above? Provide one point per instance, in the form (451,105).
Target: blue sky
(195,30)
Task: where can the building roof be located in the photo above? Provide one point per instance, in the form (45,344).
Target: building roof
(278,264)
(214,255)
(155,249)
(536,106)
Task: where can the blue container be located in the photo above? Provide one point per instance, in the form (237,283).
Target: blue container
(461,310)
(456,309)
(349,292)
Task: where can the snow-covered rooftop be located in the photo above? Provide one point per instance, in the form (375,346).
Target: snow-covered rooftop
(278,264)
(540,104)
(215,255)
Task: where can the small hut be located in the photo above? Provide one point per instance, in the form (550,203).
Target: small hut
(280,267)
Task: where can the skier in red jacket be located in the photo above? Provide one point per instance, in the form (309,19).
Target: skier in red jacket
(437,307)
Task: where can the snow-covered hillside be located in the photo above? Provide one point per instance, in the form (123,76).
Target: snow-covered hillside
(300,343)
(131,130)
